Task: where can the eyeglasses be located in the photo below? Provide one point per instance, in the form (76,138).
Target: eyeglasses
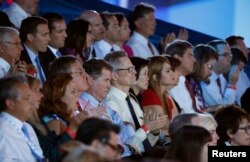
(81,73)
(246,128)
(118,148)
(210,67)
(17,44)
(129,69)
(225,54)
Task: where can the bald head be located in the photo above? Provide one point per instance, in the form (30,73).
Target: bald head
(95,21)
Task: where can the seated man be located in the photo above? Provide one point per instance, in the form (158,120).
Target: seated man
(18,139)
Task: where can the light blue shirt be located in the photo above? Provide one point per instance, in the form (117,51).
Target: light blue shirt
(4,67)
(102,48)
(212,94)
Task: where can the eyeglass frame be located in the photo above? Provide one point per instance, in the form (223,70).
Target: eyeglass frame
(17,44)
(246,128)
(129,69)
(81,73)
(225,54)
(118,148)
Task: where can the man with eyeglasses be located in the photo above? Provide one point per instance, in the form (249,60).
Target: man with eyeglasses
(10,51)
(119,100)
(102,135)
(221,91)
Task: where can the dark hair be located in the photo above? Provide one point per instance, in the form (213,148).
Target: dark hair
(77,31)
(202,53)
(94,67)
(95,129)
(139,63)
(175,63)
(29,26)
(232,40)
(228,119)
(187,144)
(245,103)
(4,20)
(139,11)
(238,56)
(119,16)
(178,47)
(9,89)
(52,17)
(105,18)
(61,65)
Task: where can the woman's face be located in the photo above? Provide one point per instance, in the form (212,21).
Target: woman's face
(242,136)
(142,82)
(124,30)
(36,94)
(215,137)
(167,75)
(70,96)
(208,68)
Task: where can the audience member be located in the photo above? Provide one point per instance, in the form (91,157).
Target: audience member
(10,51)
(4,20)
(79,39)
(233,126)
(142,80)
(183,51)
(20,10)
(144,25)
(102,135)
(219,91)
(34,34)
(124,33)
(18,139)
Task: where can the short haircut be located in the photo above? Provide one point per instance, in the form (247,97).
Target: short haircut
(61,65)
(95,129)
(105,18)
(113,58)
(178,47)
(238,56)
(29,26)
(94,67)
(232,40)
(6,33)
(9,90)
(139,11)
(119,16)
(179,121)
(215,44)
(139,63)
(52,17)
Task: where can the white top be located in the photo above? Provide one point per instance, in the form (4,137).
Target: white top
(4,67)
(102,48)
(139,45)
(54,50)
(13,144)
(182,96)
(16,14)
(213,96)
(241,86)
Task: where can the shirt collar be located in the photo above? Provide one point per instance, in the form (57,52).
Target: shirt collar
(54,50)
(119,93)
(88,97)
(142,39)
(5,65)
(18,123)
(31,54)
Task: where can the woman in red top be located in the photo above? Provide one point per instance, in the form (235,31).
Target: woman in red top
(154,99)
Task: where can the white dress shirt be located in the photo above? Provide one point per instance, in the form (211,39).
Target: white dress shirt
(4,67)
(214,95)
(102,48)
(241,86)
(139,45)
(182,96)
(54,50)
(16,14)
(13,144)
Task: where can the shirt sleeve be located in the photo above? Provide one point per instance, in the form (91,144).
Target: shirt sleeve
(149,97)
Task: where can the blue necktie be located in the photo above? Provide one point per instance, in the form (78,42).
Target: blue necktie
(34,153)
(39,68)
(58,53)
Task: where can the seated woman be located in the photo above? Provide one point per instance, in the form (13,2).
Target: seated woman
(141,84)
(154,98)
(48,140)
(233,126)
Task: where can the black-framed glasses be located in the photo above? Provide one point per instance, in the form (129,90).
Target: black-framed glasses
(226,54)
(17,44)
(246,128)
(118,148)
(129,69)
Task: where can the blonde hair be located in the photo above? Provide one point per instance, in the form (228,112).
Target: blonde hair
(208,121)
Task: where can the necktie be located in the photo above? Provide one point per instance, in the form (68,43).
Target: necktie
(58,53)
(219,84)
(191,92)
(146,144)
(112,49)
(39,68)
(32,147)
(151,48)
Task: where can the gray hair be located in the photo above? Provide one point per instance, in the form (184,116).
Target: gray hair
(6,33)
(113,59)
